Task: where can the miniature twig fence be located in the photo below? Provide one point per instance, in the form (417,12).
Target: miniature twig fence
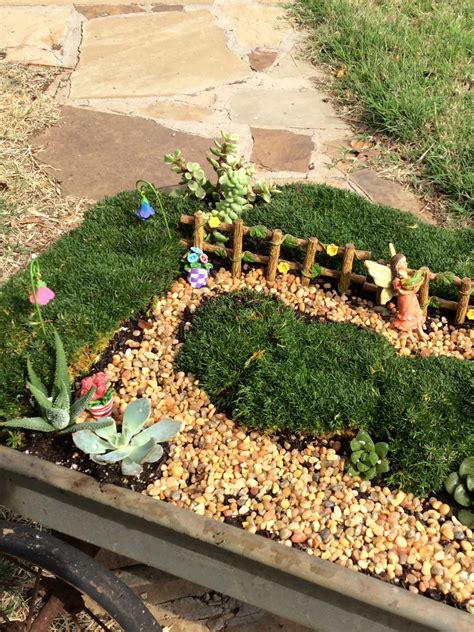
(345,277)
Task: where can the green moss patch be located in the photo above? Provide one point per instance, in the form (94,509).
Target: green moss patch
(273,371)
(107,270)
(342,217)
(103,273)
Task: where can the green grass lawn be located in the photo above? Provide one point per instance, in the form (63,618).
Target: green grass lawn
(409,71)
(273,371)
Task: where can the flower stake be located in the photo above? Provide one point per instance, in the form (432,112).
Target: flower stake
(41,294)
(197,266)
(101,402)
(145,210)
(332,250)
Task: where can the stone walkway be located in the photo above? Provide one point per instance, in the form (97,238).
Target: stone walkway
(139,80)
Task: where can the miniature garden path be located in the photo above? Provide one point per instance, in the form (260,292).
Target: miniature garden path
(138,80)
(297,495)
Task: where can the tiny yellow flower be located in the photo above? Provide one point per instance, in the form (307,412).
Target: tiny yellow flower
(331,249)
(283,267)
(470,314)
(214,221)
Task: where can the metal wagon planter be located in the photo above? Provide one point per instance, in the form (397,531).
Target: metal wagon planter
(287,582)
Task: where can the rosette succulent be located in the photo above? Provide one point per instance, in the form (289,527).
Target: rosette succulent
(133,444)
(368,459)
(460,485)
(57,413)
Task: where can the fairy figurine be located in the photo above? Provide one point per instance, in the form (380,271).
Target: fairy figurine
(396,280)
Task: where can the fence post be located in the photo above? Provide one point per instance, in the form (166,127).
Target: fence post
(346,270)
(463,301)
(275,245)
(424,296)
(199,229)
(309,260)
(238,238)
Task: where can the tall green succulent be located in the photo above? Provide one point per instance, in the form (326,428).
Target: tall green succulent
(368,459)
(460,485)
(57,413)
(133,445)
(233,193)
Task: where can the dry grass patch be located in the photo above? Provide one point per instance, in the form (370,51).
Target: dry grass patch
(33,214)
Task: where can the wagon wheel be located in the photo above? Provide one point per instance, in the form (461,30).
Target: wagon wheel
(62,588)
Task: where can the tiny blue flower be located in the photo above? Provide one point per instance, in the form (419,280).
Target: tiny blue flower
(196,250)
(146,210)
(193,257)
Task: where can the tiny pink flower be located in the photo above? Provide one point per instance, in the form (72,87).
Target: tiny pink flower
(43,296)
(86,384)
(100,391)
(99,380)
(203,258)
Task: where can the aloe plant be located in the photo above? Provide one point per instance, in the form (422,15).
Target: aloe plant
(133,444)
(368,459)
(460,485)
(57,413)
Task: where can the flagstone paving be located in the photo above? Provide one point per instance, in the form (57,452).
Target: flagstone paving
(178,72)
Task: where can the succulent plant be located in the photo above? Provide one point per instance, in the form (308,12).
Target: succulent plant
(460,485)
(368,459)
(233,192)
(57,413)
(133,444)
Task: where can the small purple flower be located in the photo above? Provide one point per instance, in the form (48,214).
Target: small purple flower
(145,211)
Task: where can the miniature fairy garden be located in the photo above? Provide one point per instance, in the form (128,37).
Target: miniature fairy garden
(234,351)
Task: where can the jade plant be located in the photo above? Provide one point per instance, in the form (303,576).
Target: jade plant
(460,485)
(368,459)
(133,444)
(58,414)
(233,193)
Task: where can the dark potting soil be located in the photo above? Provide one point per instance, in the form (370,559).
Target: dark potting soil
(119,342)
(61,451)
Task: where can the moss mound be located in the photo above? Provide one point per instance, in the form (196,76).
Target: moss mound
(274,371)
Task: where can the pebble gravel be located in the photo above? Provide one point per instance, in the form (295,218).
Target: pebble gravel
(294,491)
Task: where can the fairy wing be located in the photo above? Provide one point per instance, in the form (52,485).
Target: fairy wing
(382,276)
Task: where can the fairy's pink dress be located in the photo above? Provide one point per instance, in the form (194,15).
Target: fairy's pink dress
(409,316)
